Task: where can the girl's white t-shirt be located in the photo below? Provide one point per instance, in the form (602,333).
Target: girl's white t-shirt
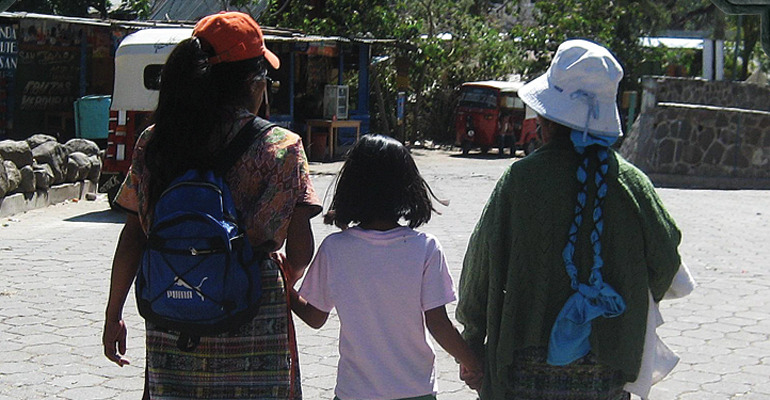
(381,283)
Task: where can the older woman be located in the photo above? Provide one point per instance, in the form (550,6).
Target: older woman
(211,86)
(571,246)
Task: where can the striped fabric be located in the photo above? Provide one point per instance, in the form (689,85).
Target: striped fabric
(257,362)
(532,378)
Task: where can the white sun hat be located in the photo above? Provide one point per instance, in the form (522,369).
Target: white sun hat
(579,90)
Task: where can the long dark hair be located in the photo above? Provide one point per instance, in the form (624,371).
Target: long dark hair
(380,181)
(196,101)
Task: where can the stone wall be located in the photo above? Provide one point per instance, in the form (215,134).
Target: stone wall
(694,133)
(712,93)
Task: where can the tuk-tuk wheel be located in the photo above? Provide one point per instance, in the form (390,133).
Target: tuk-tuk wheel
(530,147)
(484,149)
(466,146)
(111,194)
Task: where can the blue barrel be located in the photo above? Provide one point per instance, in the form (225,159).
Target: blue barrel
(92,117)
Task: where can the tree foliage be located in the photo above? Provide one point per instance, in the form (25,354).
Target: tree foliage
(456,41)
(70,8)
(618,25)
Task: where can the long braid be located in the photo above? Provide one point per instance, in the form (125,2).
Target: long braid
(598,216)
(569,249)
(570,332)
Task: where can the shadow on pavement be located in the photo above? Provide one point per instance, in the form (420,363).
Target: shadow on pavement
(479,156)
(104,216)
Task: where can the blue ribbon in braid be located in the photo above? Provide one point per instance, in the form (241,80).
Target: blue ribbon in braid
(569,339)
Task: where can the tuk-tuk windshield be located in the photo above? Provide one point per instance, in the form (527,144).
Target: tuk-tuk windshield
(511,100)
(478,97)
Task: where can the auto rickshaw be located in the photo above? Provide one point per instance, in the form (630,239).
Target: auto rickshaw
(138,63)
(490,114)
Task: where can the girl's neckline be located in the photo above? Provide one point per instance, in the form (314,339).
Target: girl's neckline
(382,226)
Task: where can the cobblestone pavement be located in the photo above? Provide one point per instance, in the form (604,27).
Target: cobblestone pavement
(55,262)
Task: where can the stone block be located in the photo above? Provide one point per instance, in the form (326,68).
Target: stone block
(96,168)
(661,131)
(84,146)
(3,179)
(727,136)
(666,151)
(692,154)
(750,120)
(43,176)
(55,155)
(78,167)
(705,138)
(27,179)
(683,129)
(16,151)
(752,136)
(38,139)
(13,176)
(734,157)
(721,121)
(714,154)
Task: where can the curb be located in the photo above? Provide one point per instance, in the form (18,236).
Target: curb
(23,202)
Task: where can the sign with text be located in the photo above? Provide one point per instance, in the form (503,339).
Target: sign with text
(47,78)
(9,50)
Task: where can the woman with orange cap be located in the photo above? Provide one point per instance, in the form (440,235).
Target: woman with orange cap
(212,85)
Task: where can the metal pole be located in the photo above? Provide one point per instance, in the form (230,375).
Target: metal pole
(737,41)
(708,59)
(720,59)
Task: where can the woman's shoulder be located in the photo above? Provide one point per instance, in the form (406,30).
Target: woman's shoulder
(631,174)
(283,137)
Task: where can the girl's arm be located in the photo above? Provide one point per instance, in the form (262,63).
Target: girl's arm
(445,333)
(124,266)
(299,243)
(312,316)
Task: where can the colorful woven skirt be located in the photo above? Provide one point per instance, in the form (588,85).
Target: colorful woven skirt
(259,361)
(532,378)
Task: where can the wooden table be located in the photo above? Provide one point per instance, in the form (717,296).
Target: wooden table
(333,127)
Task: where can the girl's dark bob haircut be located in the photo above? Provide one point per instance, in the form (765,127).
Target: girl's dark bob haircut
(380,181)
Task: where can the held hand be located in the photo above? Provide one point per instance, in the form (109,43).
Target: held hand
(472,378)
(114,341)
(283,262)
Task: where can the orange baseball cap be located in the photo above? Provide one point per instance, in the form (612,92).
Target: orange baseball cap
(235,36)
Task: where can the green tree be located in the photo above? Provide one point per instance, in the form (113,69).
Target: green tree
(453,42)
(70,8)
(619,25)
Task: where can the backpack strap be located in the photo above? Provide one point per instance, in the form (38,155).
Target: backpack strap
(242,141)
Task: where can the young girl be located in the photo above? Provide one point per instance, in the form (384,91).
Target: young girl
(387,281)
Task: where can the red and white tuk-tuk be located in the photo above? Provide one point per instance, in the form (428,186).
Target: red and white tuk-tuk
(138,63)
(490,114)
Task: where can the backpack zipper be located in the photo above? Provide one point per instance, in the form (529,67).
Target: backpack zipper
(196,252)
(187,183)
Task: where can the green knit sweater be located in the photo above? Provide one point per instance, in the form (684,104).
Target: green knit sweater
(514,284)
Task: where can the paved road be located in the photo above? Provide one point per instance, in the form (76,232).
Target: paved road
(54,269)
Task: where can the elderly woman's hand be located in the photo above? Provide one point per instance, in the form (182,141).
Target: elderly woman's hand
(472,378)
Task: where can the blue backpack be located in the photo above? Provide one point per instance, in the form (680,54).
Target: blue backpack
(199,274)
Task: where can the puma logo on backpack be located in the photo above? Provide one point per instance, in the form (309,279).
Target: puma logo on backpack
(199,274)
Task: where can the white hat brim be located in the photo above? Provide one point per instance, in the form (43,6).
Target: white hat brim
(557,105)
